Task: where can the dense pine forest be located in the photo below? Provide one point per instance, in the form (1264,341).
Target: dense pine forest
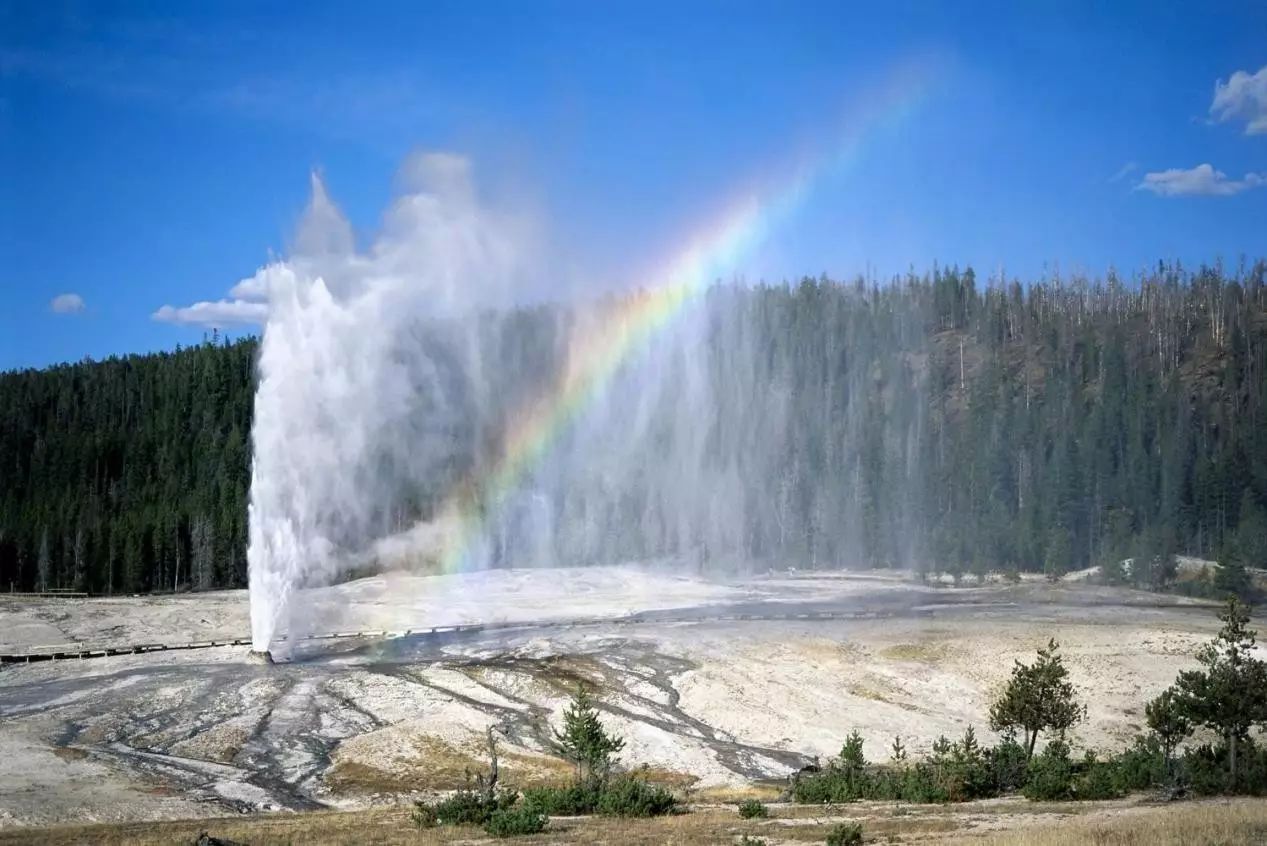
(934,422)
(129,474)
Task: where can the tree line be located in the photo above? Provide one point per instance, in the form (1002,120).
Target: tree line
(934,421)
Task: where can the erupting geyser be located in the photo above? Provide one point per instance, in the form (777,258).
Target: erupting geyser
(356,398)
(408,414)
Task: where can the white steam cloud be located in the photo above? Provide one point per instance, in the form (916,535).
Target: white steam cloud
(348,363)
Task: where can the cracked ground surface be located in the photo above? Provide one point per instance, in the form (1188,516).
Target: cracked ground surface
(705,704)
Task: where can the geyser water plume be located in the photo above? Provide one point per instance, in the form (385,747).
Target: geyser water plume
(400,421)
(352,404)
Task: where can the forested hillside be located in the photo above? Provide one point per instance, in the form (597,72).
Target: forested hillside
(1083,424)
(932,422)
(127,474)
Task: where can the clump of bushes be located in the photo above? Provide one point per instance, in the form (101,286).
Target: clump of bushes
(509,822)
(751,809)
(1142,766)
(567,801)
(845,834)
(592,750)
(634,797)
(585,743)
(484,805)
(955,772)
(963,770)
(465,807)
(1098,780)
(1050,777)
(624,796)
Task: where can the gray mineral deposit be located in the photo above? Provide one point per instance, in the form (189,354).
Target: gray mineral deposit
(721,684)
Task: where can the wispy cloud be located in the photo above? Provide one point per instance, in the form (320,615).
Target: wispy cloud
(1242,97)
(369,101)
(195,77)
(1124,171)
(67,304)
(1202,180)
(218,313)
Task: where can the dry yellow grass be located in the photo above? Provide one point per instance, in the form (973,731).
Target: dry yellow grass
(733,795)
(1233,822)
(438,765)
(1236,822)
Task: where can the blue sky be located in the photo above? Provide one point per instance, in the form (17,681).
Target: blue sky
(156,154)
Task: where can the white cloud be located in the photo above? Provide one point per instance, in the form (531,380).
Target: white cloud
(67,304)
(1243,96)
(253,288)
(1202,180)
(218,313)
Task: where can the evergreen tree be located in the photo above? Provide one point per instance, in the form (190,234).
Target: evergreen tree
(1056,561)
(584,741)
(1229,694)
(1038,698)
(1168,720)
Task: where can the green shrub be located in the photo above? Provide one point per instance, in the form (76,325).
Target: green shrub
(1008,765)
(509,822)
(1205,769)
(627,796)
(1142,766)
(570,801)
(633,797)
(1098,780)
(845,834)
(751,809)
(1050,776)
(832,785)
(1253,768)
(955,772)
(752,841)
(845,779)
(961,770)
(919,784)
(465,807)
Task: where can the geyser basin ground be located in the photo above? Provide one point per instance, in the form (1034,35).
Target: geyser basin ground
(707,705)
